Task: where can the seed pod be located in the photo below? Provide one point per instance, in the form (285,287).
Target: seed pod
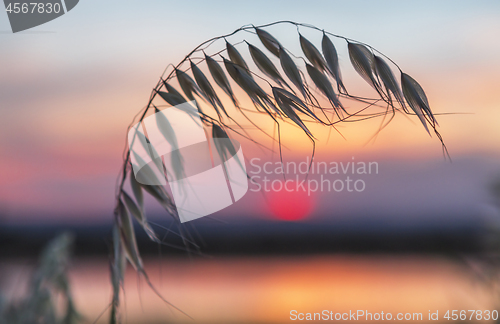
(312,54)
(416,99)
(127,235)
(291,70)
(385,74)
(139,216)
(268,41)
(288,111)
(187,84)
(332,61)
(258,96)
(236,57)
(363,62)
(220,78)
(321,81)
(207,89)
(265,65)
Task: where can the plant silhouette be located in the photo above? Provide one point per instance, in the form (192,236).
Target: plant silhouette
(293,88)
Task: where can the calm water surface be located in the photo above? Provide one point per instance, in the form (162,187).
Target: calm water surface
(267,289)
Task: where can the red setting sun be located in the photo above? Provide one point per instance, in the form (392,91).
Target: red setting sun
(287,201)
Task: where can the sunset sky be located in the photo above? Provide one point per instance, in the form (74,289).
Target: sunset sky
(70,88)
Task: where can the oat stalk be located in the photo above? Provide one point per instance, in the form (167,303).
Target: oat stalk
(294,88)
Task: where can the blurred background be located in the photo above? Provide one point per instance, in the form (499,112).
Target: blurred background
(413,241)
